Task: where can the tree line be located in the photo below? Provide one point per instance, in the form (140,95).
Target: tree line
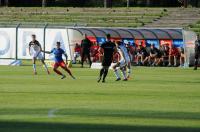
(100,3)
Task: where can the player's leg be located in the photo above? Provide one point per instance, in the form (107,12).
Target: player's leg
(45,66)
(63,66)
(100,74)
(123,69)
(82,59)
(116,71)
(102,69)
(55,69)
(89,59)
(40,56)
(106,68)
(34,65)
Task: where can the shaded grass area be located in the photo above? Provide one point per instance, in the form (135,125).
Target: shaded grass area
(61,127)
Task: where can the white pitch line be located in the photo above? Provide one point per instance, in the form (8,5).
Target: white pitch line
(51,113)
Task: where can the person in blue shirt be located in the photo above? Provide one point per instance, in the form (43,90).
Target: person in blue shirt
(59,62)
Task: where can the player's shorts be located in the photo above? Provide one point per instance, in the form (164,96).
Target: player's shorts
(106,62)
(37,55)
(61,64)
(196,56)
(124,62)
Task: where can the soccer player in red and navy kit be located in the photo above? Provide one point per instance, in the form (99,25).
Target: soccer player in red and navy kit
(58,52)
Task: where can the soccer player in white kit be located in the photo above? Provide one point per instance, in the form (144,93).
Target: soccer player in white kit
(35,51)
(123,63)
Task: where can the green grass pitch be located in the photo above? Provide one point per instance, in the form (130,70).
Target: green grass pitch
(154,100)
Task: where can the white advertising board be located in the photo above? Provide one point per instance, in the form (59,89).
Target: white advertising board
(7,42)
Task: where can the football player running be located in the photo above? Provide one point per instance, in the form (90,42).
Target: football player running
(59,62)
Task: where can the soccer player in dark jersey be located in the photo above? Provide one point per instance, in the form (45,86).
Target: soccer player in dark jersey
(85,50)
(197,52)
(107,48)
(58,52)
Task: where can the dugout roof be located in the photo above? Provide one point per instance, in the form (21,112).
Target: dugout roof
(132,33)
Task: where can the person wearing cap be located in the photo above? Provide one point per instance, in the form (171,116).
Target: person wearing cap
(197,52)
(85,50)
(59,62)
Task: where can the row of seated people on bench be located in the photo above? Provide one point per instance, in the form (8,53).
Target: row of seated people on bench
(141,55)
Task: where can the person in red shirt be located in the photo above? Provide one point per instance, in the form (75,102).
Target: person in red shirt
(173,55)
(95,52)
(77,52)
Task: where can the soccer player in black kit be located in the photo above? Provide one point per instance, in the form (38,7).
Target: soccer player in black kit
(85,50)
(197,52)
(108,48)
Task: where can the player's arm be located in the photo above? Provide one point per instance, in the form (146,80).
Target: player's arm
(29,48)
(66,57)
(40,47)
(47,52)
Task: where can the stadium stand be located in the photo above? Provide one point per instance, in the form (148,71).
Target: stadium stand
(115,17)
(177,17)
(104,17)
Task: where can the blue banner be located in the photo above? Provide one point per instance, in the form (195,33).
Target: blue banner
(178,43)
(131,41)
(152,41)
(101,40)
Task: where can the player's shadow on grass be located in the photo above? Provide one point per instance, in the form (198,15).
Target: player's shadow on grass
(12,126)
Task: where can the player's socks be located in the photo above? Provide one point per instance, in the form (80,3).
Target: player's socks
(117,74)
(105,74)
(68,71)
(34,69)
(100,74)
(58,72)
(118,79)
(124,74)
(46,68)
(63,77)
(73,77)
